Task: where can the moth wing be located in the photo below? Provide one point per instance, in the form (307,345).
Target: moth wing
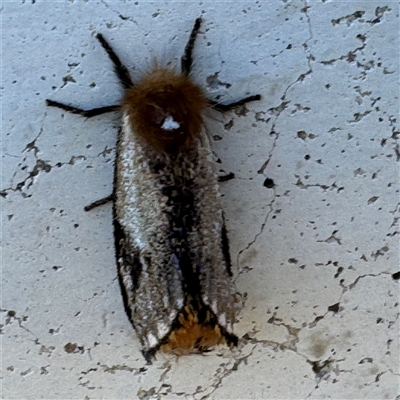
(150,275)
(152,293)
(217,289)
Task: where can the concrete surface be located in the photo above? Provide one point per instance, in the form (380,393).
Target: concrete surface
(312,213)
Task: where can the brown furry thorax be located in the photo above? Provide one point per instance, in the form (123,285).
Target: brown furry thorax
(165,108)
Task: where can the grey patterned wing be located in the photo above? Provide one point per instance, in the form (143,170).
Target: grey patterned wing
(217,288)
(152,292)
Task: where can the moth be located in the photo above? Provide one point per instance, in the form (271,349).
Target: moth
(171,242)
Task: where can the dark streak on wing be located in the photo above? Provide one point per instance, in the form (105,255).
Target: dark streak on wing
(181,214)
(225,247)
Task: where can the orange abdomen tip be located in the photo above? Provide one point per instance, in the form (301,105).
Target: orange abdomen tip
(192,336)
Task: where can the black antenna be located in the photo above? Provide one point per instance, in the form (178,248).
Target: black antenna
(119,68)
(186,60)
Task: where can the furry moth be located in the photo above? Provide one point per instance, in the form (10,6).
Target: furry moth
(171,243)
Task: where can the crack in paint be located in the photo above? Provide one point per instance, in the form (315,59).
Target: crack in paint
(270,206)
(351,285)
(277,111)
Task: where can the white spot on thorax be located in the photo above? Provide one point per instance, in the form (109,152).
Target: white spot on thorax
(170,124)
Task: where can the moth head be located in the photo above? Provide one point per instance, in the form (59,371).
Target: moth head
(165,108)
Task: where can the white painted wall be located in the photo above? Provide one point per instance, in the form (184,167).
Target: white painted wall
(315,254)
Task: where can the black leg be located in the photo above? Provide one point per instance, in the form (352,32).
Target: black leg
(119,68)
(228,107)
(100,202)
(85,113)
(186,60)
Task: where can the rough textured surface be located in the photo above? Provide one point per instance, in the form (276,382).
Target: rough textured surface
(312,212)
